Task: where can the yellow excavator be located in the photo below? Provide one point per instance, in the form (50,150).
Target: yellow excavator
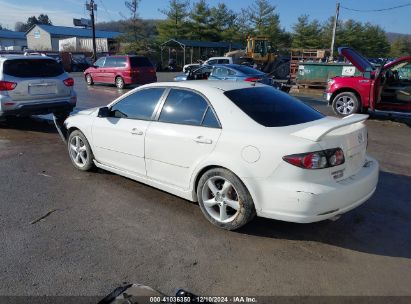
(261,54)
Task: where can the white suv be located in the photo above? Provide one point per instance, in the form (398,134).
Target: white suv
(218,60)
(34,85)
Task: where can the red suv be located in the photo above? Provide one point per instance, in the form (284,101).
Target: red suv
(121,71)
(384,89)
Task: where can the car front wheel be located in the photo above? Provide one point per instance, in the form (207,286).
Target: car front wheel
(345,103)
(224,199)
(80,151)
(120,83)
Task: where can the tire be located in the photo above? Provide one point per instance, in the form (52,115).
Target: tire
(345,103)
(89,79)
(80,152)
(119,82)
(228,204)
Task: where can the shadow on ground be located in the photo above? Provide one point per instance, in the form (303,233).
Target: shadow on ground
(381,226)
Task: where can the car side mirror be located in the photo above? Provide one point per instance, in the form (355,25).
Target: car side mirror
(104,112)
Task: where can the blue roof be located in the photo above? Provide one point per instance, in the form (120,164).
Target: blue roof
(12,35)
(205,44)
(75,31)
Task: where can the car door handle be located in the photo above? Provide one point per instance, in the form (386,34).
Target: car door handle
(136,131)
(202,140)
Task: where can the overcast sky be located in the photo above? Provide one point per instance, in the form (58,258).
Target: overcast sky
(62,12)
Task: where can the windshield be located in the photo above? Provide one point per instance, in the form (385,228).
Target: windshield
(272,108)
(26,68)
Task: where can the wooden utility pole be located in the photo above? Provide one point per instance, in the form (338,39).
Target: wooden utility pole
(92,7)
(337,13)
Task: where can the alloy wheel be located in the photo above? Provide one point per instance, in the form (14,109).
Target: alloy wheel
(220,199)
(78,151)
(345,105)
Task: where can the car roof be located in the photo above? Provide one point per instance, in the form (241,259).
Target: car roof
(202,85)
(10,56)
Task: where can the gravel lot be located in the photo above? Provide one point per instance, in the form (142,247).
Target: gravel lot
(107,229)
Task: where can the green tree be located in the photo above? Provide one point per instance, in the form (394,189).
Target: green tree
(44,19)
(175,25)
(306,33)
(199,24)
(401,47)
(375,42)
(266,22)
(223,23)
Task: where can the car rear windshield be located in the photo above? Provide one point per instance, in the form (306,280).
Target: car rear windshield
(271,107)
(247,70)
(27,68)
(138,62)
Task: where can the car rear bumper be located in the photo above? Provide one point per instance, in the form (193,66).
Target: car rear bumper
(139,80)
(295,203)
(36,108)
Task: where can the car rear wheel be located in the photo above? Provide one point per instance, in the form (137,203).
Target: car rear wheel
(224,199)
(80,151)
(120,82)
(345,103)
(89,79)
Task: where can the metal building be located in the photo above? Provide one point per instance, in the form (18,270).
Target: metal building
(42,37)
(12,41)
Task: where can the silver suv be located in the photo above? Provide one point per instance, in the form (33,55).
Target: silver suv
(34,85)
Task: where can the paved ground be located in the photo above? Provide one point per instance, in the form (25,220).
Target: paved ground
(108,229)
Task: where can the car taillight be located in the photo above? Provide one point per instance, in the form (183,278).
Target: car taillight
(252,79)
(7,85)
(317,160)
(69,82)
(152,70)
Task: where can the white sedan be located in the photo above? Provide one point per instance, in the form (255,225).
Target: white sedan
(238,149)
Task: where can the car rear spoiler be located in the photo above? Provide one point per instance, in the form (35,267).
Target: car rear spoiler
(317,132)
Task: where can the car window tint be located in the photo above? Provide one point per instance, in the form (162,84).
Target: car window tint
(25,68)
(211,62)
(100,62)
(247,70)
(220,72)
(121,62)
(210,120)
(138,61)
(223,61)
(139,105)
(183,107)
(110,62)
(271,107)
(231,73)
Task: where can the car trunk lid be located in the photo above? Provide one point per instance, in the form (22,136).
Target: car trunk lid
(349,134)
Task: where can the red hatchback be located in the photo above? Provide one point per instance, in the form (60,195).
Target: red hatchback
(121,71)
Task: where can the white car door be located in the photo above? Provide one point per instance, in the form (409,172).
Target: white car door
(185,133)
(118,140)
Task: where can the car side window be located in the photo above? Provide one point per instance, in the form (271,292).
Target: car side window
(231,72)
(99,63)
(139,105)
(223,61)
(210,120)
(220,72)
(121,62)
(211,62)
(183,107)
(110,62)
